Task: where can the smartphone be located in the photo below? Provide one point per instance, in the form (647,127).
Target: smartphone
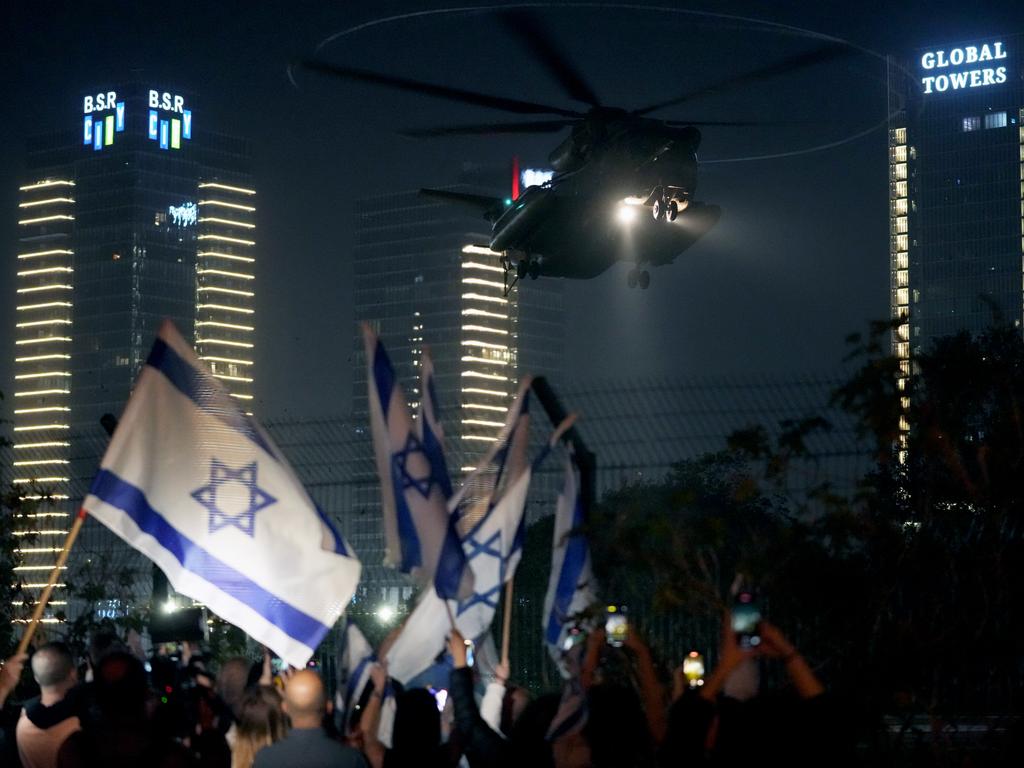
(277,665)
(440,697)
(746,618)
(470,657)
(693,669)
(616,625)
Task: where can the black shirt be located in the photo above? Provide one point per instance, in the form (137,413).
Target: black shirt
(310,748)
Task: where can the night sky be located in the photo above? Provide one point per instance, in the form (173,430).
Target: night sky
(799,259)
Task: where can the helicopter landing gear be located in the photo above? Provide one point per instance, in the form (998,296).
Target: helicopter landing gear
(522,267)
(668,202)
(639,277)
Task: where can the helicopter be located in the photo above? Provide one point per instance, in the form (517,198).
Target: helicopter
(624,183)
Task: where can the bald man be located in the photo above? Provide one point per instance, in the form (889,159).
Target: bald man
(46,722)
(307,743)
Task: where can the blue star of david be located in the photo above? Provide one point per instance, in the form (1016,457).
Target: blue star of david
(400,462)
(489,548)
(221,474)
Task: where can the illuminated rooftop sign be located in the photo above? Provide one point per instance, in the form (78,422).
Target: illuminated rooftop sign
(168,130)
(103,117)
(957,68)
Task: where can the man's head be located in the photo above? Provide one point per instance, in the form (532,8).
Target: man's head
(53,667)
(305,700)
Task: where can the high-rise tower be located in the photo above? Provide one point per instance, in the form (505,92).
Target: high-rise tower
(133,213)
(956,191)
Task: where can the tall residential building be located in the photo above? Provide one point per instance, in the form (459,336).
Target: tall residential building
(956,190)
(132,212)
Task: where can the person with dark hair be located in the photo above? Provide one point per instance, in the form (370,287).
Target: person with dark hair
(121,733)
(101,643)
(48,720)
(416,735)
(260,722)
(307,743)
(232,681)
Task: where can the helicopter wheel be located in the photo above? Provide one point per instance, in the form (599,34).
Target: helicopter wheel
(644,279)
(673,210)
(658,210)
(631,277)
(522,267)
(534,270)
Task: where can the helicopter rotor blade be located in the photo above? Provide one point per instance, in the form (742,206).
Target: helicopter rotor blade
(729,123)
(787,65)
(438,91)
(485,129)
(525,27)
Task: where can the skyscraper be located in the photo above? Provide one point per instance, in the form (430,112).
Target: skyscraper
(133,212)
(956,190)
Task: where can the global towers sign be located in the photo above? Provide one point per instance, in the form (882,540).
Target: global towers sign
(954,69)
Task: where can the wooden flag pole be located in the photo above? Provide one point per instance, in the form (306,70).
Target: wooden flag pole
(44,598)
(506,625)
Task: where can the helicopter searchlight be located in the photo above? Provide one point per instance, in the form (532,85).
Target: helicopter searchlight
(626,213)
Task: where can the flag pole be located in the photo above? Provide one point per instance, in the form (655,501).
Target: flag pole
(44,598)
(506,626)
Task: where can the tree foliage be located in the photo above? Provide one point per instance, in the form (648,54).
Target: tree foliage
(909,589)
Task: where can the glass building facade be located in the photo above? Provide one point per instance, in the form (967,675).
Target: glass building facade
(131,215)
(956,191)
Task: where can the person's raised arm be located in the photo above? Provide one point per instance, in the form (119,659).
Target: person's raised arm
(482,744)
(10,673)
(775,645)
(651,690)
(370,721)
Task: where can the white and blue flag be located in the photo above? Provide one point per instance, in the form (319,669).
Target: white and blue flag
(419,534)
(571,588)
(571,592)
(197,486)
(356,659)
(489,508)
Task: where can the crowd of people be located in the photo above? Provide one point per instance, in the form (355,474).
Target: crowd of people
(616,710)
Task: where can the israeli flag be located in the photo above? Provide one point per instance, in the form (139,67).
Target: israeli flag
(197,486)
(356,658)
(420,536)
(571,588)
(489,508)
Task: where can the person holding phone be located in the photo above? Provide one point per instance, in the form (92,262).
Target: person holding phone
(707,723)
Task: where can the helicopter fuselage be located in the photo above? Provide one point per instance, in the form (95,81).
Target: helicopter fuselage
(575,226)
